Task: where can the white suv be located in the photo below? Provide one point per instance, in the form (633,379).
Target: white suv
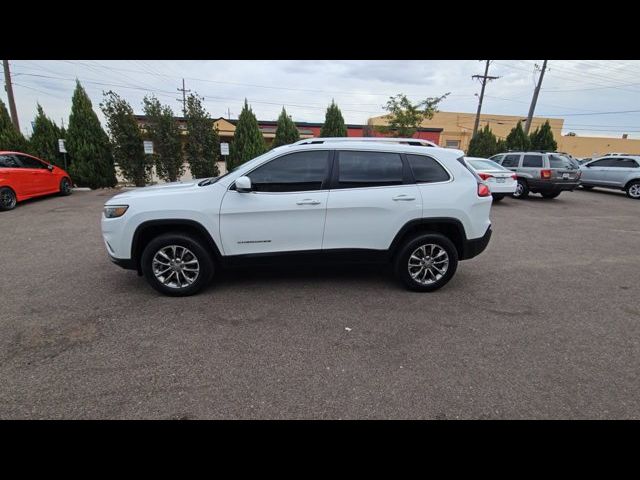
(404,201)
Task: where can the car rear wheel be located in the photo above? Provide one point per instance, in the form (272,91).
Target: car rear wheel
(426,262)
(633,190)
(65,187)
(7,199)
(177,264)
(550,195)
(522,189)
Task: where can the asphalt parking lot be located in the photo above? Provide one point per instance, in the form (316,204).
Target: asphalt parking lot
(544,324)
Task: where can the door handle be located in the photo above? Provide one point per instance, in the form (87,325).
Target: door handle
(308,201)
(403,198)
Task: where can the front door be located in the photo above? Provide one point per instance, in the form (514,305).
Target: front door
(595,173)
(284,212)
(619,171)
(369,201)
(35,175)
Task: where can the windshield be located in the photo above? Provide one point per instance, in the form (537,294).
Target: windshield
(485,165)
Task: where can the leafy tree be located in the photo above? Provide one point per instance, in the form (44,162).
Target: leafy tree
(542,138)
(126,139)
(202,147)
(88,145)
(333,122)
(404,118)
(163,132)
(286,131)
(44,139)
(517,139)
(10,138)
(248,142)
(483,144)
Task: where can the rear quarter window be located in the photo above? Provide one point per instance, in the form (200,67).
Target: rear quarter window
(426,169)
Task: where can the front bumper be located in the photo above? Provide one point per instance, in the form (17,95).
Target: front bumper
(476,246)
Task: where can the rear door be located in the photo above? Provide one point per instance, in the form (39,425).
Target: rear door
(10,174)
(372,196)
(531,165)
(619,171)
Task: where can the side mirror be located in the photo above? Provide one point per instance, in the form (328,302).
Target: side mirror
(50,168)
(243,184)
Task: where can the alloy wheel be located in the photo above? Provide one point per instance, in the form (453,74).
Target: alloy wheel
(634,190)
(428,264)
(175,266)
(7,199)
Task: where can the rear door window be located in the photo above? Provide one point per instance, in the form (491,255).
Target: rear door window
(8,161)
(532,161)
(511,161)
(369,169)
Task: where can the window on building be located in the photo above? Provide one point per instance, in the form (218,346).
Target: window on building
(369,169)
(426,169)
(452,143)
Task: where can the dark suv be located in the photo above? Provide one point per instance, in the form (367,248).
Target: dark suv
(547,173)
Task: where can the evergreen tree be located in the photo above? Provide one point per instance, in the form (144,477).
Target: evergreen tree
(44,139)
(333,122)
(10,138)
(286,131)
(163,132)
(88,145)
(542,138)
(517,139)
(248,142)
(202,148)
(126,140)
(483,144)
(501,146)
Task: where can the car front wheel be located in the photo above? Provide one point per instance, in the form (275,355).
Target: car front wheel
(426,262)
(522,189)
(177,264)
(65,187)
(7,199)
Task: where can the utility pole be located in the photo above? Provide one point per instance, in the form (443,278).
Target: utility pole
(9,88)
(534,100)
(484,80)
(183,99)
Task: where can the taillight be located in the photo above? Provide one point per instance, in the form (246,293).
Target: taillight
(514,176)
(484,176)
(483,190)
(545,174)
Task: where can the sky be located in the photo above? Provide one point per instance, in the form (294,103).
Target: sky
(590,95)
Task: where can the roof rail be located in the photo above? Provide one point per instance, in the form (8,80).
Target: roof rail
(409,141)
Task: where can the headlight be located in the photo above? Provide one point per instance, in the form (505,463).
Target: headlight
(114,211)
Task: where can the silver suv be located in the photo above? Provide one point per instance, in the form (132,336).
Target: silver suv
(622,173)
(547,173)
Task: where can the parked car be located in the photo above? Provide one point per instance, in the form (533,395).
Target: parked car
(621,173)
(501,182)
(547,173)
(24,176)
(407,202)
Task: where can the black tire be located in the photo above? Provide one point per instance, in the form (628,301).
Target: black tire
(7,199)
(633,190)
(65,187)
(550,195)
(497,196)
(587,187)
(522,190)
(409,247)
(195,247)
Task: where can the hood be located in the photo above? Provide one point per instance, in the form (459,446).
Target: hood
(166,188)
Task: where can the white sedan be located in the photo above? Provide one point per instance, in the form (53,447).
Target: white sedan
(501,182)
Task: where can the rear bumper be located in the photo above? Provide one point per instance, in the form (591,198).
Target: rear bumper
(551,186)
(476,246)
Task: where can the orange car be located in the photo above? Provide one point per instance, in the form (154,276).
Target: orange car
(24,176)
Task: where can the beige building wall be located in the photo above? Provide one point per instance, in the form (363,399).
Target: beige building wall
(458,127)
(155,180)
(594,146)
